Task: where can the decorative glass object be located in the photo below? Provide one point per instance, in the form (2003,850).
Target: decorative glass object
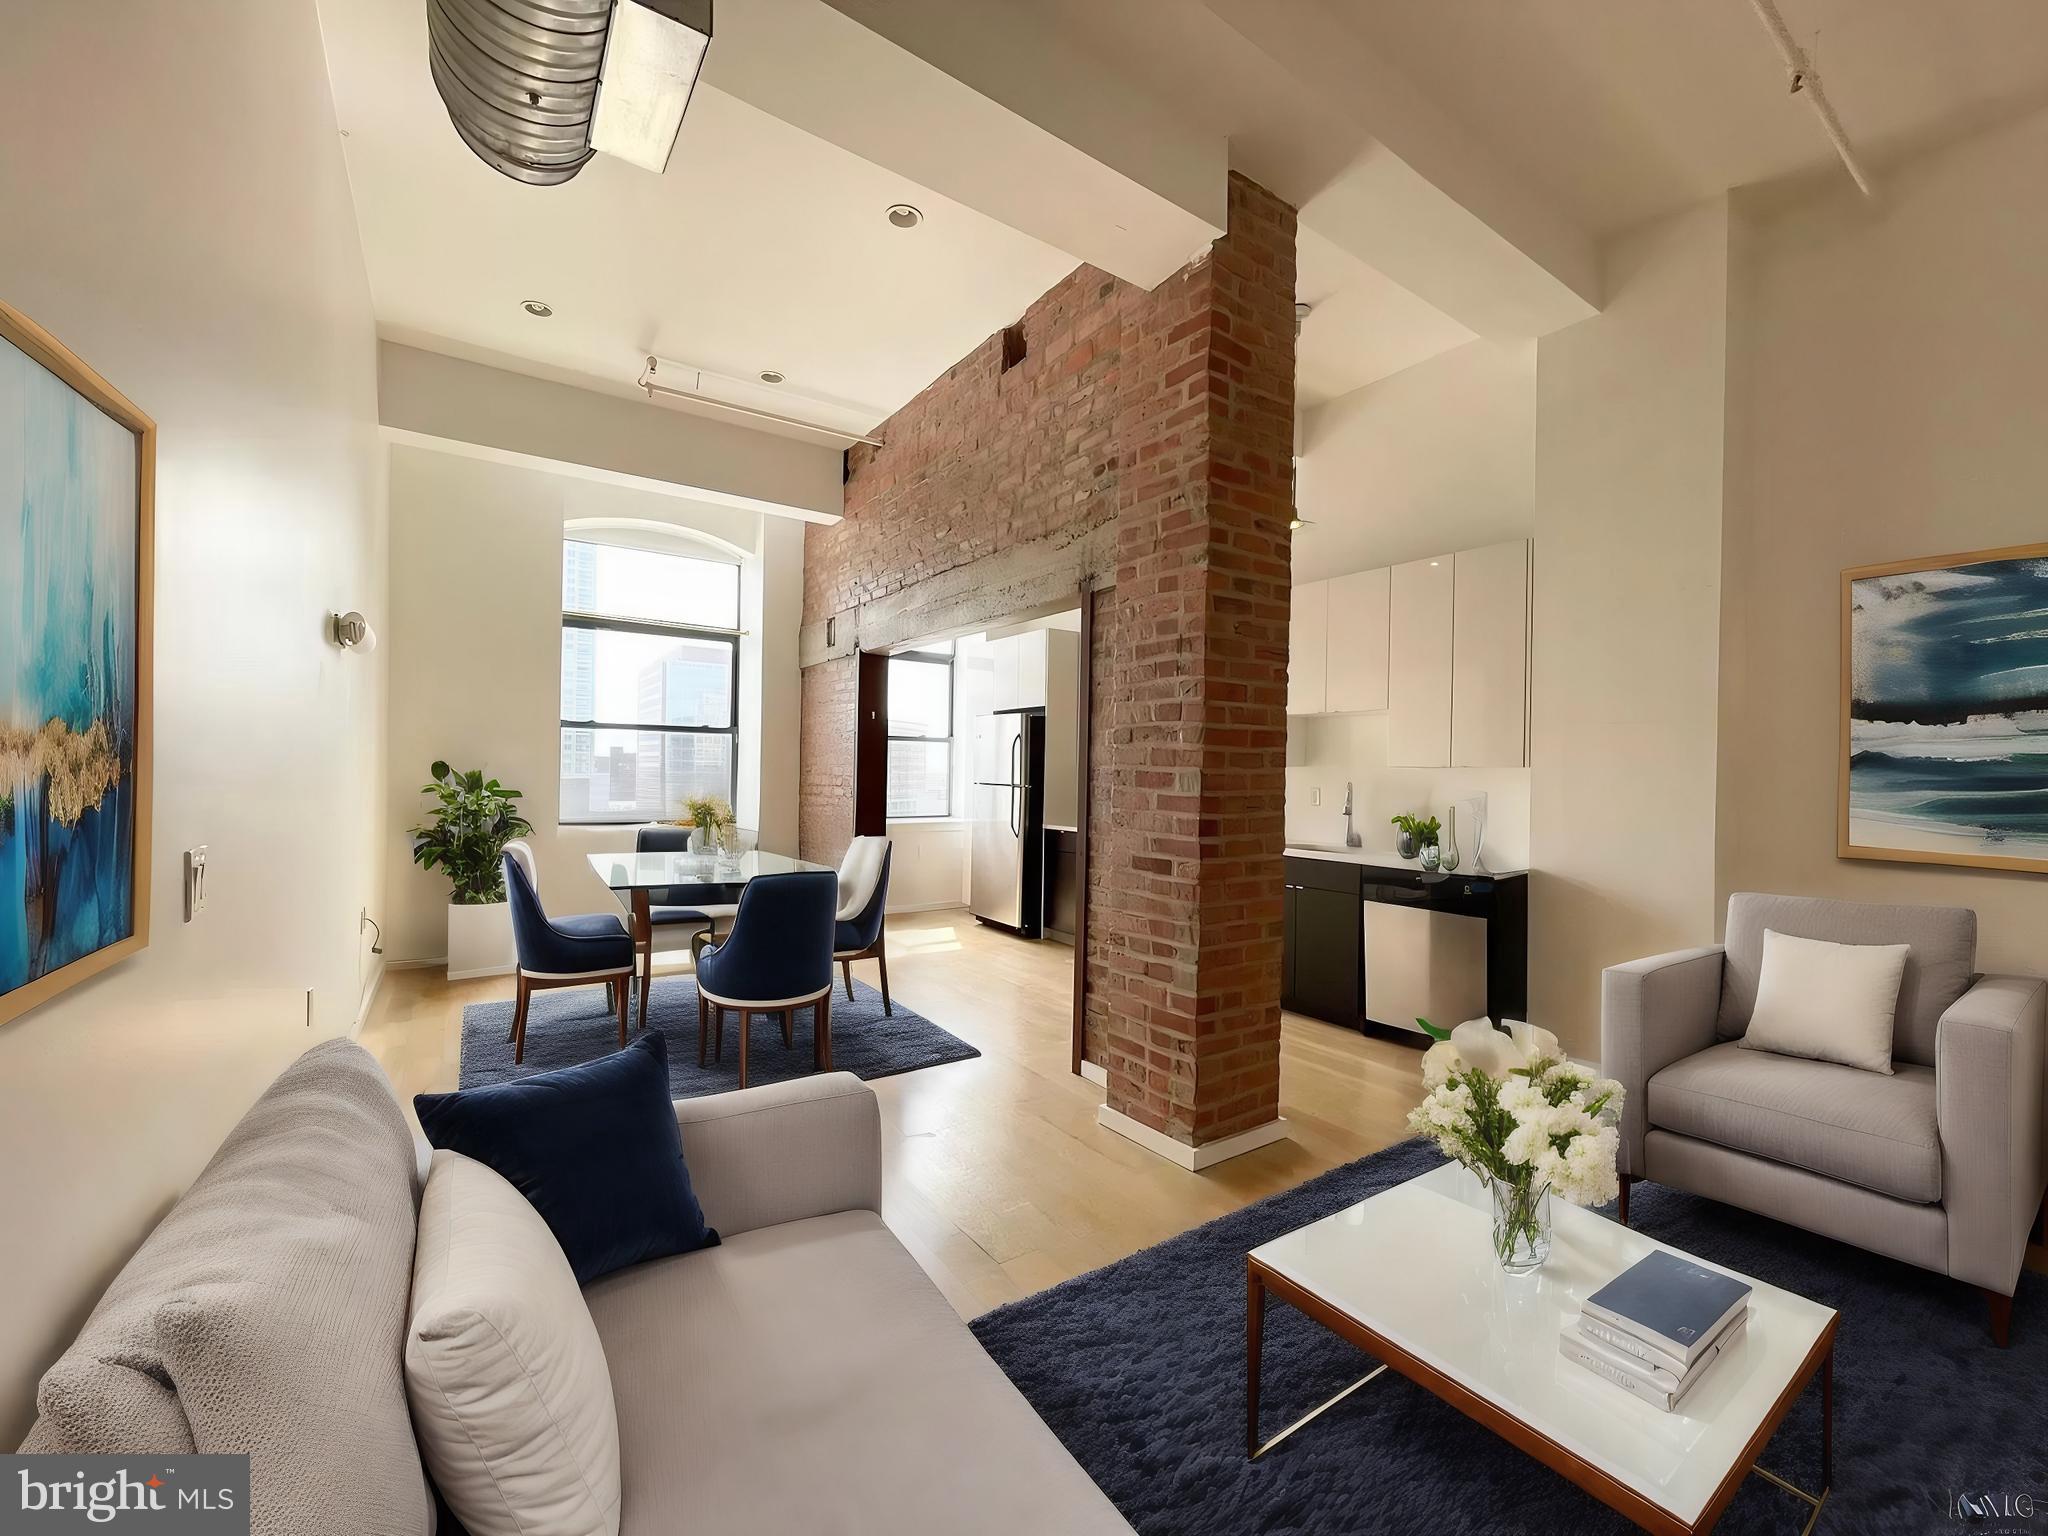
(1521,1224)
(1432,857)
(1447,855)
(1404,844)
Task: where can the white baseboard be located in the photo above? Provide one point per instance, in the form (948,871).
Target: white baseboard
(1095,1073)
(488,970)
(368,1000)
(431,963)
(926,906)
(1194,1159)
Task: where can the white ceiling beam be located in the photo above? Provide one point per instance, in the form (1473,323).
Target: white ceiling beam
(1448,218)
(990,111)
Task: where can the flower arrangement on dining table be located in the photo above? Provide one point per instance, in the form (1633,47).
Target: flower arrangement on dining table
(1512,1108)
(711,815)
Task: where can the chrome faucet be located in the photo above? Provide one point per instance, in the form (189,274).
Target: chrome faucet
(1351,837)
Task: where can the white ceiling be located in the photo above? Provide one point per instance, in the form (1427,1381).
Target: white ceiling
(1628,109)
(762,247)
(1363,326)
(766,247)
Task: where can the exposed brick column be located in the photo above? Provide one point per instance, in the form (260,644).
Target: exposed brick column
(1197,734)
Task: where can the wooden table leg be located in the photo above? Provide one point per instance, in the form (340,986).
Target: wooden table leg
(643,938)
(1254,1331)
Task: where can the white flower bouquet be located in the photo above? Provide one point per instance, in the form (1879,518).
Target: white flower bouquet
(1510,1107)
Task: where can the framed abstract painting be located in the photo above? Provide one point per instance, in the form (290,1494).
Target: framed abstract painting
(1945,710)
(77,480)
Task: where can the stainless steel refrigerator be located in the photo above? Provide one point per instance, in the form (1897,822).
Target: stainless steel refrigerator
(1006,805)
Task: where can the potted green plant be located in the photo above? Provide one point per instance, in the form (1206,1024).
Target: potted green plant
(1414,833)
(473,819)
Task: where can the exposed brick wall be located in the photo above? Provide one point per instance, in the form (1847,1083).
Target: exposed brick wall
(1198,735)
(1170,415)
(982,460)
(825,774)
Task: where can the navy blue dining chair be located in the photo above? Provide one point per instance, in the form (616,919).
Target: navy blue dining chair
(863,898)
(776,959)
(578,951)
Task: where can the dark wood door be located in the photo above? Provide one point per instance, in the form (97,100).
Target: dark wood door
(871,747)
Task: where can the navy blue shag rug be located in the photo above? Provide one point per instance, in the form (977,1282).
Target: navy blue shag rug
(572,1024)
(1139,1369)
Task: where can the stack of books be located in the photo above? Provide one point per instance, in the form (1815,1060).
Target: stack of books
(1658,1327)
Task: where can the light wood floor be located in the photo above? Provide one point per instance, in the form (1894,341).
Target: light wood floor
(996,1175)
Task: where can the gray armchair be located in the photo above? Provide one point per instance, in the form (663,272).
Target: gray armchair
(1941,1164)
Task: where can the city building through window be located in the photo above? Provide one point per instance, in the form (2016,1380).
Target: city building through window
(921,732)
(650,679)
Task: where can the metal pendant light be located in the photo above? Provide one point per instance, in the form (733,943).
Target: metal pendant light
(530,86)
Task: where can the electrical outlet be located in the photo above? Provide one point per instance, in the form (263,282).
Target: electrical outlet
(1315,794)
(195,881)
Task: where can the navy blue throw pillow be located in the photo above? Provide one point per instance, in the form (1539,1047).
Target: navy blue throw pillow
(594,1147)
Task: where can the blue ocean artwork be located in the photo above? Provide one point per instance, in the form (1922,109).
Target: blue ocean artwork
(1948,710)
(67,674)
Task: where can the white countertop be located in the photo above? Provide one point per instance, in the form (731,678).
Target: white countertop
(1378,858)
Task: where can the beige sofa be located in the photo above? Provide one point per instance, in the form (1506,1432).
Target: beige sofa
(1940,1163)
(805,1375)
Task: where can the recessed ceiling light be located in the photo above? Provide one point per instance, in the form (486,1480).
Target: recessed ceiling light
(772,375)
(538,310)
(903,216)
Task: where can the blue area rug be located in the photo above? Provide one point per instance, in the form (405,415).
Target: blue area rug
(1139,1369)
(572,1025)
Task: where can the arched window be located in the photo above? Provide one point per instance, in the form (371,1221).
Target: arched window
(650,674)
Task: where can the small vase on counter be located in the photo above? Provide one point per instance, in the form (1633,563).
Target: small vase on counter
(1404,844)
(1432,858)
(1447,855)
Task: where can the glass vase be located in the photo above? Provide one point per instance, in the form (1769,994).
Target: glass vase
(1521,1226)
(1432,856)
(1447,858)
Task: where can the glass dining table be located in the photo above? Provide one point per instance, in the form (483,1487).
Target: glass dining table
(684,880)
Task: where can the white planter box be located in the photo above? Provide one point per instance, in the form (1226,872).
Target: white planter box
(479,941)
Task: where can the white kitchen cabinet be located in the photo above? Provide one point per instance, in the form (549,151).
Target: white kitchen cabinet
(1490,656)
(1419,641)
(1308,641)
(1005,687)
(1356,672)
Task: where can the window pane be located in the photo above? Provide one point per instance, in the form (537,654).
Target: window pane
(619,676)
(639,775)
(641,584)
(920,778)
(920,698)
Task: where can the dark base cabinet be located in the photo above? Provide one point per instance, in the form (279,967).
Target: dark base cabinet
(1323,970)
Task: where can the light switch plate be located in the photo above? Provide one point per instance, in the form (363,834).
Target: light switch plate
(195,881)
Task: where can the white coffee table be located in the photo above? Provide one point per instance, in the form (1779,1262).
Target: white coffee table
(1409,1276)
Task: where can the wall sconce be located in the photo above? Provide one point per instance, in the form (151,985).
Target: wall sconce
(352,632)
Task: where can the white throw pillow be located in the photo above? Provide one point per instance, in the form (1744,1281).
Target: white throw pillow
(1830,1002)
(510,1393)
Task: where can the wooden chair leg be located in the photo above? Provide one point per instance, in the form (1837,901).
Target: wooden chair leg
(718,1031)
(703,1029)
(821,1026)
(623,993)
(746,1019)
(519,1022)
(2001,1317)
(788,1028)
(847,966)
(882,959)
